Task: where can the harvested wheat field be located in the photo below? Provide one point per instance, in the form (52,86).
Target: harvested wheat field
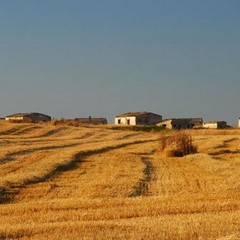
(61,182)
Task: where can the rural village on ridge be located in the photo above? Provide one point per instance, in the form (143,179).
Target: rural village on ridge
(129,118)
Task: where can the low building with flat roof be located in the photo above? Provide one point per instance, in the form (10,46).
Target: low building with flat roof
(181,123)
(91,121)
(28,117)
(137,118)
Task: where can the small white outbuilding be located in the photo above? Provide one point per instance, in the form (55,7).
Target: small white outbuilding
(215,124)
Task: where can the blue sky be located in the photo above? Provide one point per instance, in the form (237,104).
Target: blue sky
(76,58)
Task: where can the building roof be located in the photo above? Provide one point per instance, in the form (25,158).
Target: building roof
(25,114)
(93,119)
(215,122)
(135,114)
(183,119)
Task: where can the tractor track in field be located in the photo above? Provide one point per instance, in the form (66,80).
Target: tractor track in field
(11,156)
(52,132)
(142,187)
(11,131)
(7,195)
(27,130)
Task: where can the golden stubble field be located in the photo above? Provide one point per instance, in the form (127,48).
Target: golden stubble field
(60,182)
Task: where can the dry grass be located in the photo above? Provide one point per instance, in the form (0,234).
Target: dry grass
(178,144)
(62,182)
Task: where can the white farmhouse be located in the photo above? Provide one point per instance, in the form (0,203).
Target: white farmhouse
(138,118)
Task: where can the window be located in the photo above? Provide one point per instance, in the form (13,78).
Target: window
(119,121)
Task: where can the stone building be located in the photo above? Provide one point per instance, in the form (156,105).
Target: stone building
(91,121)
(28,117)
(138,118)
(181,123)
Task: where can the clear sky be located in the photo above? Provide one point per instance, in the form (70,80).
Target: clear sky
(76,58)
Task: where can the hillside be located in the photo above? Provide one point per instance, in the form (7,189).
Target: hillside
(61,182)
